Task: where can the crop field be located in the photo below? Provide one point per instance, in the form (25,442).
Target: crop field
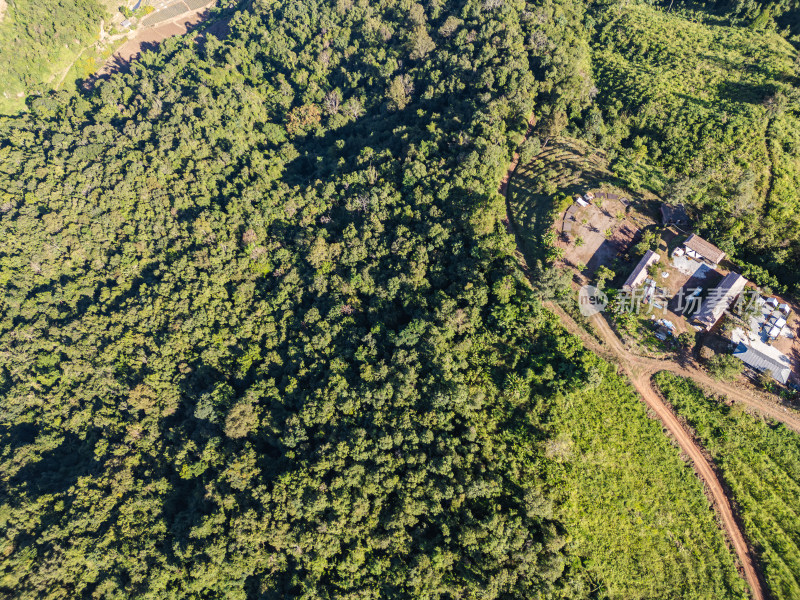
(714,109)
(760,463)
(165,14)
(196,4)
(640,521)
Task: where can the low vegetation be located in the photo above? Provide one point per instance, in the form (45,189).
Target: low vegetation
(636,512)
(725,367)
(707,115)
(760,463)
(39,39)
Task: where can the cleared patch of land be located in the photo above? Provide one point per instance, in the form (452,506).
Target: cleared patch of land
(167,23)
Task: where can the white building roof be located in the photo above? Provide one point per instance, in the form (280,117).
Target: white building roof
(762,357)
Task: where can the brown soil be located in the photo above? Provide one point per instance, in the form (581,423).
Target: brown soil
(3,7)
(148,38)
(640,371)
(597,250)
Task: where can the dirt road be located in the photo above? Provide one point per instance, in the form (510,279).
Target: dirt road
(640,371)
(752,399)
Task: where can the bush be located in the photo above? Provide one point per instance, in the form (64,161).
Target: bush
(725,367)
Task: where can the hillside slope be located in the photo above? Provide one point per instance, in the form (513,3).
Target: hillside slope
(38,40)
(265,336)
(715,108)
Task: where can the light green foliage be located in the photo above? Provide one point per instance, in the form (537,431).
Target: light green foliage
(714,110)
(636,512)
(725,367)
(760,464)
(602,275)
(38,41)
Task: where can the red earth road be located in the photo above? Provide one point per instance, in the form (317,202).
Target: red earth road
(640,371)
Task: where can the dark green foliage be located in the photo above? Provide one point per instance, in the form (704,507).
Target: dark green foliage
(262,324)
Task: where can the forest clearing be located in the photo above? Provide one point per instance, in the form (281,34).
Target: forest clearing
(156,28)
(607,212)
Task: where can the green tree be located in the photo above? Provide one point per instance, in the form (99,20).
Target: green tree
(725,367)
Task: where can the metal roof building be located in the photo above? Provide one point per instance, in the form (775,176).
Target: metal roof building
(639,274)
(719,299)
(761,361)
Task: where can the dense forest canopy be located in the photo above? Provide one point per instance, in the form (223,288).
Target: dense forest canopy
(261,317)
(264,334)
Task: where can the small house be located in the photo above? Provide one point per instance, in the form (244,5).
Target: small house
(699,249)
(674,215)
(762,358)
(580,201)
(639,274)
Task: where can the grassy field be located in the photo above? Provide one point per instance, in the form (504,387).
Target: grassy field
(639,521)
(761,465)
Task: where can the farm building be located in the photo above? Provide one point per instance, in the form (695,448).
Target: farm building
(639,274)
(720,299)
(762,358)
(699,249)
(674,215)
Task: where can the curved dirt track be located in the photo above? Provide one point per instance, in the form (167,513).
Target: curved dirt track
(650,366)
(640,371)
